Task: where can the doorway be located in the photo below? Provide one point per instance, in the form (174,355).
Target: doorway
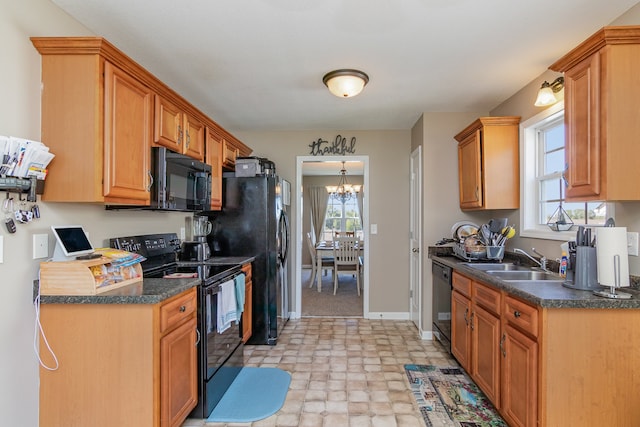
(328,163)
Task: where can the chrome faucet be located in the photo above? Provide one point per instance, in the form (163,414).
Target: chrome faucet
(543,260)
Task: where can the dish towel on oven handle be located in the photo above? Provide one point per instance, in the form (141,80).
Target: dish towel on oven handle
(240,294)
(227,306)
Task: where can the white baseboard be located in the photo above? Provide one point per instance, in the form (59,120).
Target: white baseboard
(386,315)
(426,335)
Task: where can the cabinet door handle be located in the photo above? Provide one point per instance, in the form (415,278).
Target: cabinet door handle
(466,319)
(150,180)
(471,320)
(179,135)
(183,309)
(516,314)
(197,337)
(188,138)
(502,350)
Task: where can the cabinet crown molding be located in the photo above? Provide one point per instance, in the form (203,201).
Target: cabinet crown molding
(611,35)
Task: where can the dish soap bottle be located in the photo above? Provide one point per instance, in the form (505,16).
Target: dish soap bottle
(563,264)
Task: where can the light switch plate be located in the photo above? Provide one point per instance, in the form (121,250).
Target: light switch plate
(374,228)
(40,246)
(632,243)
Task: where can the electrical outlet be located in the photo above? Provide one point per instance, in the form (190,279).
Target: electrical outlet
(40,246)
(632,243)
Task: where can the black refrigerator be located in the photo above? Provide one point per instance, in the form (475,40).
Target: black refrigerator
(254,222)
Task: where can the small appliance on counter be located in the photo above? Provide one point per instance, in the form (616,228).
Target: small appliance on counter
(196,248)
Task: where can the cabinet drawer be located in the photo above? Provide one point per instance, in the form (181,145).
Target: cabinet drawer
(487,297)
(521,315)
(176,310)
(462,284)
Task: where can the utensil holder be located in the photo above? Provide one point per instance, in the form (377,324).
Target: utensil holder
(495,252)
(585,275)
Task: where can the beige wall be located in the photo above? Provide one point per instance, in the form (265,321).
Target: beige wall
(388,193)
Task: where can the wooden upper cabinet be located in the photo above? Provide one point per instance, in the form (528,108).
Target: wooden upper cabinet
(602,99)
(229,155)
(127,137)
(101,113)
(168,127)
(214,159)
(488,164)
(96,119)
(194,137)
(178,130)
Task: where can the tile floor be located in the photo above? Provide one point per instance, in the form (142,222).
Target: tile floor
(345,372)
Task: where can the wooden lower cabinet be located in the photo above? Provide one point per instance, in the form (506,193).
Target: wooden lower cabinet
(476,333)
(547,367)
(519,378)
(119,364)
(247,314)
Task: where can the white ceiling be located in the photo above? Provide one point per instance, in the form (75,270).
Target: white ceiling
(258,65)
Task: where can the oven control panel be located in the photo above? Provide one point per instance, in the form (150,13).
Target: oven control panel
(148,245)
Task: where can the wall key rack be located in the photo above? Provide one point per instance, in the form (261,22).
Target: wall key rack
(31,186)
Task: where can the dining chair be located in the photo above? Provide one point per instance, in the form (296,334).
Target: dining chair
(346,260)
(327,262)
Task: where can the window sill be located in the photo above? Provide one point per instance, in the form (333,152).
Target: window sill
(547,234)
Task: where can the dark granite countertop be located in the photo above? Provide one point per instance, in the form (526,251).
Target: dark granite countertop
(223,260)
(546,295)
(149,291)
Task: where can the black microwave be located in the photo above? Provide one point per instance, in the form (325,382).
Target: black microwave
(179,182)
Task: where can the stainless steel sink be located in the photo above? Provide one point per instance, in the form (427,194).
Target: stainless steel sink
(507,266)
(531,275)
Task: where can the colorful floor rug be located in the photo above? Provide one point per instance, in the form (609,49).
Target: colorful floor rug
(447,397)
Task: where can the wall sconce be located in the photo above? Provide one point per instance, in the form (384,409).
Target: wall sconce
(546,94)
(345,83)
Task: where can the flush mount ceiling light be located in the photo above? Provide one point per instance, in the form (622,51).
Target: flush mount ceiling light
(546,94)
(345,83)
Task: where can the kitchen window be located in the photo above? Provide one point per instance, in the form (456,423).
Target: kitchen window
(341,216)
(543,185)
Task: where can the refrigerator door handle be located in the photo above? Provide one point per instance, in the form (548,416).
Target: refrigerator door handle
(284,236)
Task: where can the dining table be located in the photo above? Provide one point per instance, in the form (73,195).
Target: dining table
(325,249)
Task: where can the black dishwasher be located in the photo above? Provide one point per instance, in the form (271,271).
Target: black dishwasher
(441,303)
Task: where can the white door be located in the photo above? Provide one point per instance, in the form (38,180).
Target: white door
(415,239)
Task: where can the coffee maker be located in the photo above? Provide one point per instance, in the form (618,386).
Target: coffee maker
(195,246)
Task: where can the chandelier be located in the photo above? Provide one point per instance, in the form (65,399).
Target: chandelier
(343,191)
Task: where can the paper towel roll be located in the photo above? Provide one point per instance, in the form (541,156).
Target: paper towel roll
(611,241)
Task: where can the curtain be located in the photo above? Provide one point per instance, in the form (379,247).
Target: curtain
(318,200)
(360,196)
